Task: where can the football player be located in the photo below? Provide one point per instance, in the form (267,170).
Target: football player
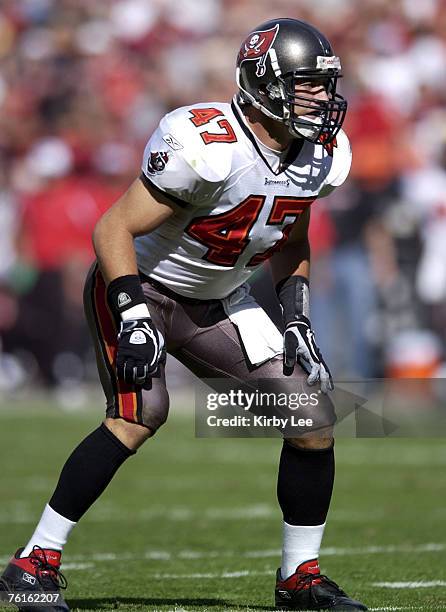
(223,188)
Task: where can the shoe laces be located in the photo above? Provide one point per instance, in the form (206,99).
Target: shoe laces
(45,570)
(307,581)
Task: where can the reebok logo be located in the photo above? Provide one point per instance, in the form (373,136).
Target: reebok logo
(123,299)
(172,142)
(28,578)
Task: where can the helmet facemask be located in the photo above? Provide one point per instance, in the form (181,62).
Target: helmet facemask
(279,100)
(324,117)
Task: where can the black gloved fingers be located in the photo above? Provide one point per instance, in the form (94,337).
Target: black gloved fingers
(140,374)
(130,372)
(290,345)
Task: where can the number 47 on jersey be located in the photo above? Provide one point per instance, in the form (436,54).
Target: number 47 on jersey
(227,235)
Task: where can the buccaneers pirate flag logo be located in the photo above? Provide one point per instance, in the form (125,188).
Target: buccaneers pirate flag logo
(256,47)
(157,162)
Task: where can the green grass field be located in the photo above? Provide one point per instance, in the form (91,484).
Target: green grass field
(192,524)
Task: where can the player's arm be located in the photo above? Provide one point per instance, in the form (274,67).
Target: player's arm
(294,257)
(291,273)
(137,212)
(140,344)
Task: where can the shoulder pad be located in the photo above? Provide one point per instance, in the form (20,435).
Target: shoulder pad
(212,162)
(342,160)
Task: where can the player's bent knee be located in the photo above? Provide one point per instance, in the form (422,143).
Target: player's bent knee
(132,435)
(311,443)
(155,407)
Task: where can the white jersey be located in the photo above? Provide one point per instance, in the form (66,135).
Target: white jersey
(232,210)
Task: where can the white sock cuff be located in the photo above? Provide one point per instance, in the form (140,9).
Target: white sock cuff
(51,532)
(300,543)
(53,515)
(309,527)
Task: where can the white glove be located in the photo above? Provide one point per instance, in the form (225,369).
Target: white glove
(299,346)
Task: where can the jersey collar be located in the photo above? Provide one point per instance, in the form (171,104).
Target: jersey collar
(293,151)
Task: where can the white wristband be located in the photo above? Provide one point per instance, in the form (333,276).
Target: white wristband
(140,311)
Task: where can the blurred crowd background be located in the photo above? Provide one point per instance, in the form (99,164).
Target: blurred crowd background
(82,86)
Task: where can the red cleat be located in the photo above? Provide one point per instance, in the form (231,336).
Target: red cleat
(308,589)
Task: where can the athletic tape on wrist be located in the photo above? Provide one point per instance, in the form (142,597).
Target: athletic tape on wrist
(140,311)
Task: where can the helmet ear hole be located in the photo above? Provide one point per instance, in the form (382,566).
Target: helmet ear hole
(262,92)
(269,91)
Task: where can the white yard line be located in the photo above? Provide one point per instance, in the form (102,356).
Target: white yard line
(418,584)
(163,555)
(395,608)
(365,550)
(200,576)
(397,548)
(76,566)
(20,514)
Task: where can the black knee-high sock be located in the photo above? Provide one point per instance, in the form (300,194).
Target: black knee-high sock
(305,484)
(87,472)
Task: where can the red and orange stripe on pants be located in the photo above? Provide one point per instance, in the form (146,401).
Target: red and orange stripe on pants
(127,400)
